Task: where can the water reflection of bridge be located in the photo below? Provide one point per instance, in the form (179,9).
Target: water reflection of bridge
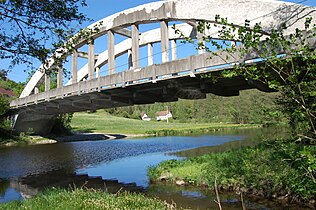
(31,185)
(156,81)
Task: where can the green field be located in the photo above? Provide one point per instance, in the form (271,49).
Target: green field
(102,122)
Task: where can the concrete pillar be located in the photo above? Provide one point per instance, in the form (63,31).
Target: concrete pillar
(111,58)
(91,60)
(135,46)
(173,49)
(74,66)
(59,76)
(200,40)
(129,58)
(164,41)
(150,54)
(47,82)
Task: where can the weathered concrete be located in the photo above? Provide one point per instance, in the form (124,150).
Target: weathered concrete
(168,81)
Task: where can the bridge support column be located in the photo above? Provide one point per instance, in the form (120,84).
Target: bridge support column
(164,41)
(91,60)
(111,57)
(135,46)
(150,54)
(47,82)
(74,66)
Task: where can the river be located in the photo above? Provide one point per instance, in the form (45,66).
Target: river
(114,165)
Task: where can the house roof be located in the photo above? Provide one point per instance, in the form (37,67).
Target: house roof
(162,113)
(6,92)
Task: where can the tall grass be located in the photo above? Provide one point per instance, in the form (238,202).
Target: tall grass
(86,199)
(270,169)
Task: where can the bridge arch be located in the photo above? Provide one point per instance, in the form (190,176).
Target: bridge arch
(272,14)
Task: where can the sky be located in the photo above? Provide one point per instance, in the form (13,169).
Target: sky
(98,9)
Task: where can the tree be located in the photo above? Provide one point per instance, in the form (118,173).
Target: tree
(34,29)
(288,65)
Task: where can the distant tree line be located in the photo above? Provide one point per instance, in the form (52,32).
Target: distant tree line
(251,106)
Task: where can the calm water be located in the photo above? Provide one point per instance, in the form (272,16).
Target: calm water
(109,165)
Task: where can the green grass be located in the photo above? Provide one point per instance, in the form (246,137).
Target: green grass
(101,122)
(86,199)
(22,139)
(270,169)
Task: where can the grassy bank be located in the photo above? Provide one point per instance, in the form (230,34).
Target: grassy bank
(270,169)
(24,139)
(101,122)
(86,199)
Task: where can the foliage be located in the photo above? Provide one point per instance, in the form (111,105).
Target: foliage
(252,106)
(33,29)
(62,124)
(87,199)
(264,170)
(5,129)
(287,65)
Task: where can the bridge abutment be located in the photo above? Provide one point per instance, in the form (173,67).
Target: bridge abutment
(34,123)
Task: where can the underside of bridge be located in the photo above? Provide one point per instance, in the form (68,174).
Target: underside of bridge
(160,80)
(39,118)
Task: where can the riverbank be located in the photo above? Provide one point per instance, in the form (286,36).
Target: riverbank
(275,170)
(87,199)
(24,140)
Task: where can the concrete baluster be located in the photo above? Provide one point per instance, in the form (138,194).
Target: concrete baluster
(135,46)
(111,57)
(164,41)
(91,60)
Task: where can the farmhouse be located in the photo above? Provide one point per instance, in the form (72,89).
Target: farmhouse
(6,93)
(144,116)
(163,115)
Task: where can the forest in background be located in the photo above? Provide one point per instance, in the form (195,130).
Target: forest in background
(251,106)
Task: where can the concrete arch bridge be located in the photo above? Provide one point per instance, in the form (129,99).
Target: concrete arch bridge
(159,80)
